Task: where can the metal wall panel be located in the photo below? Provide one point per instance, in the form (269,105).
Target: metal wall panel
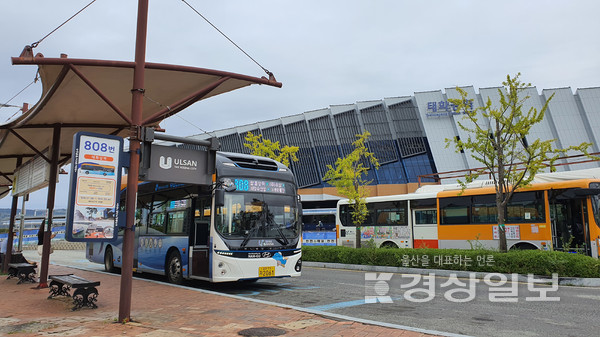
(381,142)
(325,144)
(348,127)
(305,169)
(275,134)
(408,129)
(231,143)
(589,103)
(568,120)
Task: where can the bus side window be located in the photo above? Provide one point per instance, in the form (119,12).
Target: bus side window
(176,221)
(141,220)
(157,224)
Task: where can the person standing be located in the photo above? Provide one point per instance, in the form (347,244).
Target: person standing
(40,235)
(15,256)
(4,246)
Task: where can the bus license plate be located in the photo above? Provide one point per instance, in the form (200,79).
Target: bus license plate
(266,271)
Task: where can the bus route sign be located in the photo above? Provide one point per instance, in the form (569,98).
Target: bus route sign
(94,187)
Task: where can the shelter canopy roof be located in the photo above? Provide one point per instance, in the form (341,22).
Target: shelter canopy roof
(95,95)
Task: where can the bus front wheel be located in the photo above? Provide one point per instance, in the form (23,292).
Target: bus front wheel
(109,264)
(173,268)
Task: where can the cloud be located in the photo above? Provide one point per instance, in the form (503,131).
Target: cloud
(325,52)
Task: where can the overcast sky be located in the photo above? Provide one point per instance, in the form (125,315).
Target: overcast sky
(324,52)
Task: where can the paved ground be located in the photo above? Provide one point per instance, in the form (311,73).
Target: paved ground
(161,310)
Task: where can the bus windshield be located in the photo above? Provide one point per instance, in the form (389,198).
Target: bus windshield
(258,215)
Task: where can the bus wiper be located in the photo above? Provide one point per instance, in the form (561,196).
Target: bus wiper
(269,217)
(284,241)
(249,235)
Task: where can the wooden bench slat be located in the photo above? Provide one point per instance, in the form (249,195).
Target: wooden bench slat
(20,265)
(85,295)
(74,281)
(22,270)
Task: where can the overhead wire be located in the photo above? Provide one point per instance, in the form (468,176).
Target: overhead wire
(230,40)
(177,115)
(35,44)
(6,105)
(196,126)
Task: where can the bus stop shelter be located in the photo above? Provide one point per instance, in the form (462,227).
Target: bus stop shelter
(96,96)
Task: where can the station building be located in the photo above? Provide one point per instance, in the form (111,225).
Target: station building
(408,136)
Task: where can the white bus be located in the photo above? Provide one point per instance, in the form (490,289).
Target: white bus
(250,228)
(396,221)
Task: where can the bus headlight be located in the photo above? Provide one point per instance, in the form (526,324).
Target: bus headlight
(298,266)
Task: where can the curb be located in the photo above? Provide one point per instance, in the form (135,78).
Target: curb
(563,281)
(59,245)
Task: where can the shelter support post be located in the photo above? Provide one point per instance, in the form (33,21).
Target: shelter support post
(134,166)
(11,226)
(50,206)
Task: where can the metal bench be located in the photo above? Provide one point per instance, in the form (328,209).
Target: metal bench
(85,294)
(25,272)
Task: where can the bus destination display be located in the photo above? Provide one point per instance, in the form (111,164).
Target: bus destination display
(256,185)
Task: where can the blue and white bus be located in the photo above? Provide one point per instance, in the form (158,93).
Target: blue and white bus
(247,228)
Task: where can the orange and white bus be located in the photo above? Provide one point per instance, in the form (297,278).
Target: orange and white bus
(554,215)
(396,221)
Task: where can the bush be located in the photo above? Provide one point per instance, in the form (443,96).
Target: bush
(519,261)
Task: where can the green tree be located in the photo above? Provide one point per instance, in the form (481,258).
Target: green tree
(497,139)
(348,178)
(260,146)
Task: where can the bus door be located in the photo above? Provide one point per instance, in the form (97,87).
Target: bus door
(199,259)
(569,219)
(424,227)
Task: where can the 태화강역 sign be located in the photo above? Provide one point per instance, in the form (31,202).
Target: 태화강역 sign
(94,187)
(444,109)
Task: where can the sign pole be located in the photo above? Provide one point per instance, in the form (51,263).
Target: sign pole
(50,206)
(134,155)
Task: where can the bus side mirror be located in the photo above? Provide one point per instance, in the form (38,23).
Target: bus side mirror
(219,197)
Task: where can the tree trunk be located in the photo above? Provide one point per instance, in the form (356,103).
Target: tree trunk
(501,224)
(357,191)
(500,191)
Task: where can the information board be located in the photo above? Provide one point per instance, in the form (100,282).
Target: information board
(32,176)
(94,187)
